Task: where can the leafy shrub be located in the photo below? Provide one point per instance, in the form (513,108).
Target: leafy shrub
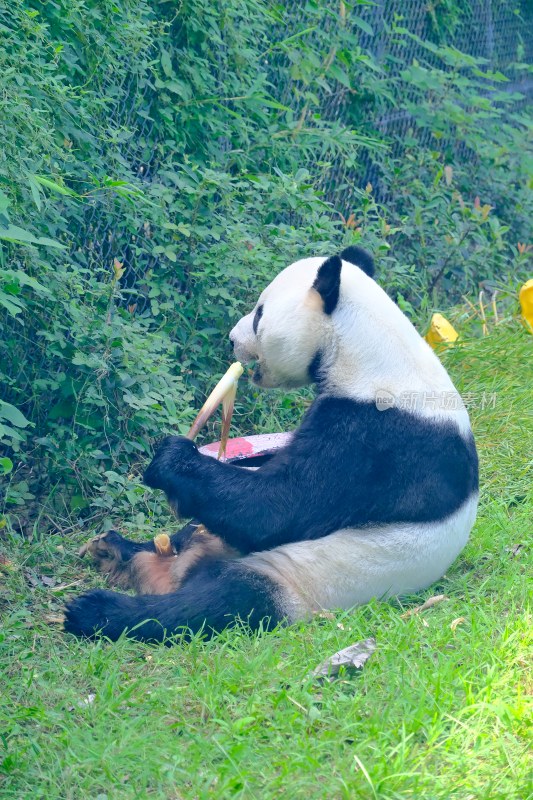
(161,164)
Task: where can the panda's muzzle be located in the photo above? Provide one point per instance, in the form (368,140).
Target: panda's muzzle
(242,350)
(244,340)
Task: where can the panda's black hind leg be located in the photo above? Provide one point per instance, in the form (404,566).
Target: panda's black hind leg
(113,556)
(112,544)
(116,557)
(219,594)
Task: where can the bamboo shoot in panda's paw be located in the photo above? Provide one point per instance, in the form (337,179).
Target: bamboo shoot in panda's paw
(163,545)
(224,392)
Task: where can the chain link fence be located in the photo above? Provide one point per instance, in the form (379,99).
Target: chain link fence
(498,31)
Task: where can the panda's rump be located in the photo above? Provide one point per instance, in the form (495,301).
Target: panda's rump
(352,566)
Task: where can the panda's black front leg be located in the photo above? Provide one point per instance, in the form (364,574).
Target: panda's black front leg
(250,510)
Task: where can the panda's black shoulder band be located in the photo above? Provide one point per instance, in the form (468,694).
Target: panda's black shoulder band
(361,258)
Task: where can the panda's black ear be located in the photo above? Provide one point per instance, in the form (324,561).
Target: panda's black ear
(359,257)
(328,281)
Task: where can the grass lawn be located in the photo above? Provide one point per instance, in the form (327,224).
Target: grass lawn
(441,710)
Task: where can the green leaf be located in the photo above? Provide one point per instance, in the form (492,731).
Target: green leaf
(166,63)
(35,192)
(55,187)
(21,278)
(12,304)
(363,25)
(6,465)
(179,88)
(13,415)
(4,203)
(78,502)
(270,103)
(340,75)
(7,432)
(17,235)
(12,233)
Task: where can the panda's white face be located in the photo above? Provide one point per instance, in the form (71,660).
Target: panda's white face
(327,319)
(286,329)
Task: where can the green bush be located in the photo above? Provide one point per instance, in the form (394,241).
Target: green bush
(161,163)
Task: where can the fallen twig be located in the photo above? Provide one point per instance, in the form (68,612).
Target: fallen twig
(431,601)
(64,586)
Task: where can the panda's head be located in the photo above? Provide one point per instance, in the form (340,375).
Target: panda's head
(292,326)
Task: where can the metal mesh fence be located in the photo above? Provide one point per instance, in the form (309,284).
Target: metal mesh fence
(496,30)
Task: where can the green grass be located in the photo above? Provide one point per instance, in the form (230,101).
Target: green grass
(440,711)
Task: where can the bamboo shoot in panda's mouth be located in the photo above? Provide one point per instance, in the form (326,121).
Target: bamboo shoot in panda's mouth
(224,392)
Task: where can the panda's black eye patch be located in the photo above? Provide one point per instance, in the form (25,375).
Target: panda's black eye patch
(257,318)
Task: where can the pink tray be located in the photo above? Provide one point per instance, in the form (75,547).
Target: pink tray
(249,446)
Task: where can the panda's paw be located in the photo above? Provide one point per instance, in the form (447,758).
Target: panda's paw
(106,547)
(112,554)
(91,614)
(176,455)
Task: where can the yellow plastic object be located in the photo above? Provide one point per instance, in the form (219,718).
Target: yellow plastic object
(526,303)
(440,331)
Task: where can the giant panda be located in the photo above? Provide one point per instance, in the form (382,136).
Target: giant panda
(374,496)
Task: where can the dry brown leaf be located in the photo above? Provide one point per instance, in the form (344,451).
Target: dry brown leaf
(88,700)
(85,701)
(514,551)
(54,619)
(351,658)
(456,622)
(32,579)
